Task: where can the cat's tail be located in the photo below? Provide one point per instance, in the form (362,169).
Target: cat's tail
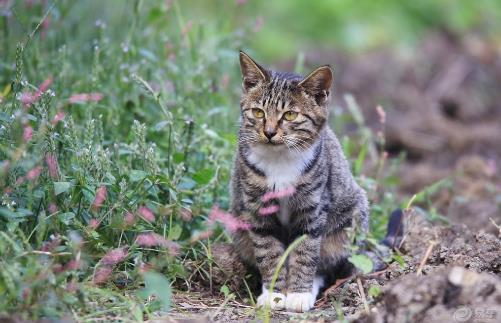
(380,253)
(394,230)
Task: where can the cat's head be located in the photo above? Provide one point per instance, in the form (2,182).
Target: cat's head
(282,109)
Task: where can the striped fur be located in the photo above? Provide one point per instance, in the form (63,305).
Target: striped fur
(305,154)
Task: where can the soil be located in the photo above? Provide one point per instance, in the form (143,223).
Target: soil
(443,112)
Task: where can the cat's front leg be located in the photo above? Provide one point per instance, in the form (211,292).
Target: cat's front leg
(267,251)
(302,285)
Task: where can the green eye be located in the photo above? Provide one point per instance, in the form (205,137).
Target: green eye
(258,113)
(290,115)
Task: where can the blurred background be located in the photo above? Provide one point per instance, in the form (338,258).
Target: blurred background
(142,97)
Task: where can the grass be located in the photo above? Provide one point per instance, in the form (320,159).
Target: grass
(116,139)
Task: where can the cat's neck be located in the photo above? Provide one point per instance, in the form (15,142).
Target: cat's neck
(281,165)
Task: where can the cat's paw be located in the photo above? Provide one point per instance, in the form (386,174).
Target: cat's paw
(275,300)
(299,302)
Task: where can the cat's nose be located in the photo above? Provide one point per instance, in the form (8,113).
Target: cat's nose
(270,133)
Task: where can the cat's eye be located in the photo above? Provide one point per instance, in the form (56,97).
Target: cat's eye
(290,115)
(258,113)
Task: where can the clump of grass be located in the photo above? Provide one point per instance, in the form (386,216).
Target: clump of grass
(104,151)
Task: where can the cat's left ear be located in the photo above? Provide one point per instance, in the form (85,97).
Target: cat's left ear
(318,83)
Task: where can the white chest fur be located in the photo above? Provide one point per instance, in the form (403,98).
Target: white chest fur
(282,168)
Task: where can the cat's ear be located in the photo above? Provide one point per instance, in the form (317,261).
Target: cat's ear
(252,73)
(318,83)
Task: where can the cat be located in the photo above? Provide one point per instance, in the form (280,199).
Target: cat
(285,144)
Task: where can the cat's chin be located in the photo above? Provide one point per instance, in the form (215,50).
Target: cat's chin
(273,146)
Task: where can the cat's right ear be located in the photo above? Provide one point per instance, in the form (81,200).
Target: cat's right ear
(252,73)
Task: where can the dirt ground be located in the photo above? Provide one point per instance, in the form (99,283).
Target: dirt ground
(443,109)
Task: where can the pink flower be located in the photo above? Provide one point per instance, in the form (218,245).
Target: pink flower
(44,27)
(101,275)
(27,133)
(114,256)
(129,218)
(28,98)
(44,86)
(51,162)
(85,97)
(146,214)
(99,198)
(71,287)
(225,80)
(240,2)
(381,114)
(58,117)
(57,268)
(155,240)
(52,208)
(231,223)
(33,173)
(93,224)
(269,210)
(491,167)
(144,267)
(4,166)
(258,24)
(184,214)
(20,180)
(50,245)
(186,28)
(73,264)
(278,194)
(201,236)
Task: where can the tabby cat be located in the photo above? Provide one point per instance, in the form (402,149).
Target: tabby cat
(284,142)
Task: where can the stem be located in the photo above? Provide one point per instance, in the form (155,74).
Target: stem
(280,264)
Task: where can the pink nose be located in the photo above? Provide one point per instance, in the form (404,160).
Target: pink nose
(270,133)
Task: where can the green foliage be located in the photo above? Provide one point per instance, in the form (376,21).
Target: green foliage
(361,262)
(158,286)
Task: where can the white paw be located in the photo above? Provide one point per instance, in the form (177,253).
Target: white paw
(299,302)
(276,301)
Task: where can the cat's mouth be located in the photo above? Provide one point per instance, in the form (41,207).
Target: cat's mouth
(273,143)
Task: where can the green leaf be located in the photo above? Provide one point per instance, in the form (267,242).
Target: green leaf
(175,232)
(362,262)
(23,212)
(137,175)
(186,184)
(7,214)
(400,261)
(203,176)
(225,290)
(177,157)
(156,285)
(357,168)
(374,291)
(66,217)
(61,187)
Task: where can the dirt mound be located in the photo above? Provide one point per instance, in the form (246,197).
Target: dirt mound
(445,295)
(441,102)
(454,245)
